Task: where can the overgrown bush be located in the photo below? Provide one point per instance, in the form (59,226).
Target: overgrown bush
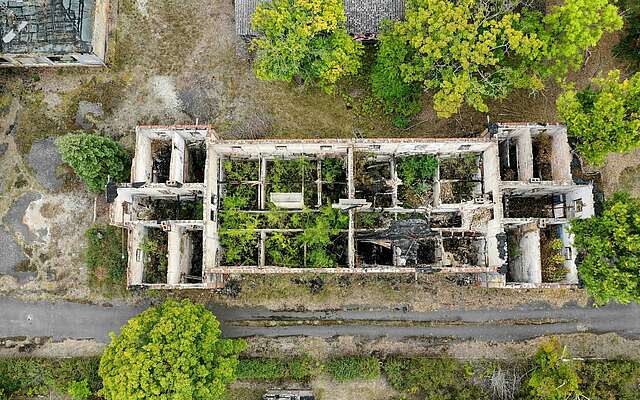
(432,379)
(610,380)
(354,367)
(94,158)
(106,256)
(609,250)
(553,377)
(42,376)
(604,117)
(305,39)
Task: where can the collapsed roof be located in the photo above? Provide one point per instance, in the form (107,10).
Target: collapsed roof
(46,26)
(364,18)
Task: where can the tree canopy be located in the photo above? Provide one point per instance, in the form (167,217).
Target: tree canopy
(609,245)
(305,39)
(172,351)
(469,51)
(94,158)
(605,117)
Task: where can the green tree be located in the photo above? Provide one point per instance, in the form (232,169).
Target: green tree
(459,51)
(306,39)
(469,51)
(553,377)
(172,351)
(609,245)
(604,117)
(79,390)
(94,158)
(572,28)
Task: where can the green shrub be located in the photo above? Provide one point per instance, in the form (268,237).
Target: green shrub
(610,380)
(435,379)
(604,117)
(350,368)
(79,390)
(94,158)
(609,250)
(553,378)
(105,256)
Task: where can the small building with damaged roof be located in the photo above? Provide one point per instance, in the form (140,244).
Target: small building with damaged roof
(364,18)
(52,33)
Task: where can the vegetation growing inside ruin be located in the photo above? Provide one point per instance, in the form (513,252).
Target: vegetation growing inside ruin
(308,247)
(94,159)
(172,351)
(293,176)
(416,173)
(608,248)
(155,249)
(468,52)
(333,170)
(106,256)
(551,258)
(238,232)
(605,117)
(304,39)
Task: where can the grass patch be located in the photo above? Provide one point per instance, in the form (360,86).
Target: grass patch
(33,122)
(108,91)
(106,258)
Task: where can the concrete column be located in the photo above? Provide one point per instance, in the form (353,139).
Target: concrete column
(142,164)
(261,249)
(177,168)
(560,157)
(136,255)
(319,181)
(211,199)
(524,147)
(351,253)
(394,179)
(174,237)
(262,190)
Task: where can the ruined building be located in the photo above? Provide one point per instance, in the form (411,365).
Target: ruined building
(45,33)
(199,208)
(364,18)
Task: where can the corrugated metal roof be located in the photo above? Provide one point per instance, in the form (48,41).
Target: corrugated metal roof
(364,17)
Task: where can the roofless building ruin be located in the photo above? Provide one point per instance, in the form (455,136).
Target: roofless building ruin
(199,207)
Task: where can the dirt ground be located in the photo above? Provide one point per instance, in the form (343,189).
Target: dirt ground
(330,292)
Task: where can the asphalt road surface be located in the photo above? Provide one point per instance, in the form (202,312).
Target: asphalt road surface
(62,320)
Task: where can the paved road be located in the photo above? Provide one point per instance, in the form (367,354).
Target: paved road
(71,320)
